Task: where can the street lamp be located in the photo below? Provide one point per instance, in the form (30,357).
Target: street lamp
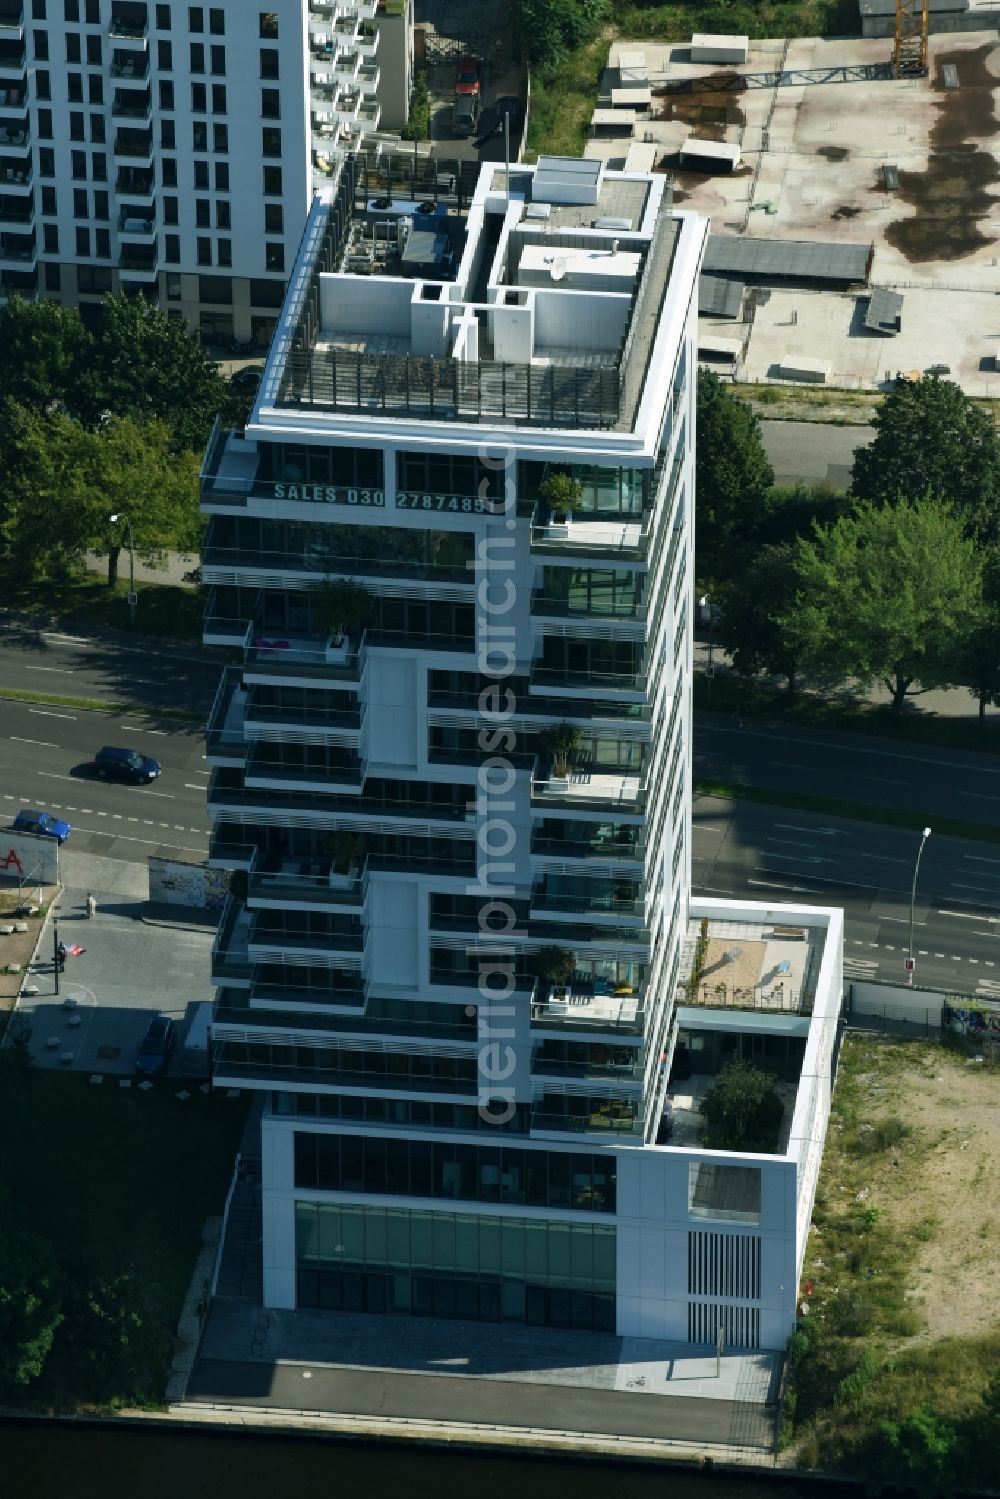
(913,896)
(133,597)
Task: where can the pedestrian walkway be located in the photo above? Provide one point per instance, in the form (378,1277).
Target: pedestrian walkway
(175,566)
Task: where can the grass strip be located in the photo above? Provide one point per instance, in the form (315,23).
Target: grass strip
(803,801)
(96,705)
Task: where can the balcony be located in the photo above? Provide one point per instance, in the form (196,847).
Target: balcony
(585,606)
(14,97)
(561,680)
(135,225)
(563,1113)
(134,143)
(275,938)
(133,180)
(230,959)
(240,1008)
(303,884)
(593,899)
(230,854)
(247,1059)
(304,659)
(131,106)
(602,846)
(16,211)
(130,30)
(605,791)
(11,21)
(598,535)
(269,768)
(129,67)
(14,176)
(138,264)
(222,629)
(313,725)
(12,58)
(602,1064)
(224,741)
(366,41)
(17,251)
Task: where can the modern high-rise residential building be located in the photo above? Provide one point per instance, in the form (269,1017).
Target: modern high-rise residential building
(461,957)
(173,150)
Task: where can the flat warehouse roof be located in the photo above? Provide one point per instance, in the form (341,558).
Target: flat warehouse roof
(791,259)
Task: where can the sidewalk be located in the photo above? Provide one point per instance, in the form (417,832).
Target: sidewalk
(175,565)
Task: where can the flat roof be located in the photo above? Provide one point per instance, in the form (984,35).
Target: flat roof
(884,308)
(720,296)
(717,39)
(727,151)
(788,259)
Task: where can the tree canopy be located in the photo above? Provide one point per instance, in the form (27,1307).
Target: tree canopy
(732,475)
(885,594)
(29,1301)
(930,439)
(742,1109)
(46,354)
(550,29)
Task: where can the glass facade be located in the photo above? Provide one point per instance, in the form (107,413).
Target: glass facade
(478,1173)
(437,1264)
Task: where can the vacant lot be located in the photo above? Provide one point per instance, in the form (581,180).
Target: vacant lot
(901,1287)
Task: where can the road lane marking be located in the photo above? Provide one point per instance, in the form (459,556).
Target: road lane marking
(980,859)
(981,795)
(53,775)
(62,671)
(189,787)
(969,916)
(888,780)
(167,795)
(887,858)
(41,743)
(47,713)
(795,827)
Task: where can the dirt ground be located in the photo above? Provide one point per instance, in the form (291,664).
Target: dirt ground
(17,947)
(940,1187)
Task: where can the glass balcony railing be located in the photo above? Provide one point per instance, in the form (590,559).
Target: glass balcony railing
(141,183)
(602,789)
(131,106)
(127,29)
(132,222)
(263,765)
(556,1113)
(611,850)
(234,1008)
(588,679)
(603,899)
(130,67)
(133,143)
(610,1069)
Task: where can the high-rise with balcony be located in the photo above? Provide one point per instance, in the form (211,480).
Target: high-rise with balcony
(172,150)
(452,783)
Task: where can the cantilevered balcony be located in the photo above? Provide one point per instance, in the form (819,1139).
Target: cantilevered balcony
(136,182)
(572,1113)
(128,26)
(556,838)
(138,261)
(230,959)
(594,1061)
(591,1007)
(219,628)
(129,104)
(129,67)
(598,899)
(130,143)
(17,250)
(595,535)
(15,175)
(11,20)
(12,56)
(284,767)
(15,211)
(612,791)
(307,1063)
(268,716)
(224,740)
(314,937)
(382,1018)
(133,223)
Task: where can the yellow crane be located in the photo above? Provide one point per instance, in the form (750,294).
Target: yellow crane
(909,53)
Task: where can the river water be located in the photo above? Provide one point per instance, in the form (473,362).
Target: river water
(69,1461)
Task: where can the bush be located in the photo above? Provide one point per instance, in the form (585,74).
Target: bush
(418,123)
(742,1110)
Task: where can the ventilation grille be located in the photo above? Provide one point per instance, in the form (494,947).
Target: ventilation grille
(724,1265)
(740,1325)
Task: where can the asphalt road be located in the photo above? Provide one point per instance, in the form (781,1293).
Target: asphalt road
(748,851)
(808,451)
(850,767)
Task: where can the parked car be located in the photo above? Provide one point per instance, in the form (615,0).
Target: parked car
(511,107)
(466,114)
(126,765)
(469,76)
(939,369)
(43,824)
(157,1044)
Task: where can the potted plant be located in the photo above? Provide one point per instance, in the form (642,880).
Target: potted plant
(564,496)
(343,608)
(344,848)
(555,967)
(560,744)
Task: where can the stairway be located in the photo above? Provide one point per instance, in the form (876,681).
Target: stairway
(241,1266)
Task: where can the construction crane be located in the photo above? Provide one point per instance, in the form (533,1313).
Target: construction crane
(909,53)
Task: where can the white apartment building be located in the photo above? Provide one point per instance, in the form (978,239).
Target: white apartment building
(173,150)
(455,795)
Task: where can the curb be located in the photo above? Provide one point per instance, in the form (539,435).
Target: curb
(179,925)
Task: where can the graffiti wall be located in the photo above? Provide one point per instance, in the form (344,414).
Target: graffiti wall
(27,860)
(975,1018)
(194,885)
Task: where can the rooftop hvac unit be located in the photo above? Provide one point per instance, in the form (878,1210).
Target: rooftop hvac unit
(538,210)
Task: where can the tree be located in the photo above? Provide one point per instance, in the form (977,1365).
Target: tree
(342,607)
(752,604)
(561,492)
(550,29)
(885,595)
(134,471)
(732,475)
(115,1342)
(152,367)
(742,1109)
(931,439)
(45,354)
(560,743)
(919,1451)
(30,1301)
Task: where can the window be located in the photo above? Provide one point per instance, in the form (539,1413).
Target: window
(168,167)
(272,182)
(78,162)
(201,176)
(218,98)
(268,24)
(199,98)
(204,251)
(197,57)
(50,239)
(83,241)
(95,279)
(170,210)
(80,207)
(48,200)
(270,104)
(76,125)
(222,218)
(163,18)
(93,12)
(74,88)
(97,129)
(99,166)
(72,46)
(274,257)
(217,22)
(173,282)
(45,133)
(38,10)
(71,10)
(268,62)
(47,158)
(218,60)
(94,57)
(168,135)
(172,255)
(95,88)
(43,89)
(274,218)
(202,212)
(222,177)
(271,137)
(101,206)
(220,137)
(40,46)
(199,135)
(224,251)
(166,94)
(102,246)
(53,278)
(196,18)
(165,56)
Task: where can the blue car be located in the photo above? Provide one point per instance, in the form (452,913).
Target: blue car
(43,824)
(157,1044)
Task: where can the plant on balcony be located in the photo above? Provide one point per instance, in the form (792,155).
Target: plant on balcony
(554,965)
(342,608)
(561,493)
(560,744)
(344,848)
(239,884)
(742,1110)
(698,961)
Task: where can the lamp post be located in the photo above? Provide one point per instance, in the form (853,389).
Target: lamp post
(55,944)
(913,896)
(133,598)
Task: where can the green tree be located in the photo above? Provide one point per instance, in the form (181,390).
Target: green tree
(45,519)
(931,439)
(45,354)
(30,1301)
(919,1451)
(152,367)
(752,604)
(134,471)
(742,1109)
(886,594)
(732,476)
(114,1345)
(550,29)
